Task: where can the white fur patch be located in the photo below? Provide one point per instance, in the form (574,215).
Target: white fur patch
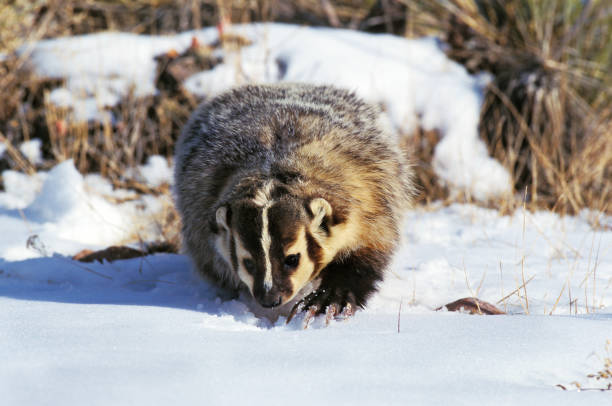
(266,241)
(262,197)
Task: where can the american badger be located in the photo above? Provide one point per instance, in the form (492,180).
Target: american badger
(281,187)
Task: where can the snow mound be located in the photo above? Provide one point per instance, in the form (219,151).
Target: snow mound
(413,80)
(19,189)
(154,173)
(99,68)
(31,150)
(62,194)
(59,209)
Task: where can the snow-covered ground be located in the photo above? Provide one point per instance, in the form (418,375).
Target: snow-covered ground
(148,330)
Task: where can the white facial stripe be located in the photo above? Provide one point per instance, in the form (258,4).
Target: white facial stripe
(241,254)
(262,197)
(266,241)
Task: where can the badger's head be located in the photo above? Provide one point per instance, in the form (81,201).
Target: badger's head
(276,245)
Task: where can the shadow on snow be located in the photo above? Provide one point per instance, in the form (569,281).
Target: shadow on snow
(156,280)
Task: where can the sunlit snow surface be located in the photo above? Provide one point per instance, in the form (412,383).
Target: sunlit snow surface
(412,80)
(148,331)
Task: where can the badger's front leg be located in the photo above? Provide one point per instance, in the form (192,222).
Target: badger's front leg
(345,285)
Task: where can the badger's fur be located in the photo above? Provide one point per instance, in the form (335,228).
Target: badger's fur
(285,186)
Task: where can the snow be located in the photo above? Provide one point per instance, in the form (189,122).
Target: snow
(31,150)
(154,173)
(64,214)
(489,256)
(104,64)
(131,354)
(413,81)
(19,189)
(149,330)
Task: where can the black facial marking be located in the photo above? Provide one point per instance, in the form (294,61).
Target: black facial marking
(314,250)
(283,222)
(285,218)
(249,225)
(233,254)
(324,225)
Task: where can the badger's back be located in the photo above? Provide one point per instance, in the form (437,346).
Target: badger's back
(252,123)
(315,141)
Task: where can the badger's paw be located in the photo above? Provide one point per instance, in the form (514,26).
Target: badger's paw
(335,304)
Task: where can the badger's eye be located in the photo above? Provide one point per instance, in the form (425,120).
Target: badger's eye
(291,261)
(249,265)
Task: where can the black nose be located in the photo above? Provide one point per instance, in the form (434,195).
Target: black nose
(270,300)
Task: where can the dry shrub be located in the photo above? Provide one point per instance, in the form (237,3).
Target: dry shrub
(419,147)
(601,380)
(165,225)
(141,127)
(548,113)
(35,19)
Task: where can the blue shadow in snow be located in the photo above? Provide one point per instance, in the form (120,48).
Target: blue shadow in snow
(156,280)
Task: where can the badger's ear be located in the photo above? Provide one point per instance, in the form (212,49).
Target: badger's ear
(221,220)
(321,211)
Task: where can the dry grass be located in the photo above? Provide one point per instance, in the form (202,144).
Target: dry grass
(143,126)
(419,147)
(600,380)
(547,115)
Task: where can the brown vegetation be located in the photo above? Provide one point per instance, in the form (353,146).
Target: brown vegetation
(547,114)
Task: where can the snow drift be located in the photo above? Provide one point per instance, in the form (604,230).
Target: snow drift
(413,81)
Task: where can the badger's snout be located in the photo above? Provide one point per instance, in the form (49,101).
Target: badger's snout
(272,298)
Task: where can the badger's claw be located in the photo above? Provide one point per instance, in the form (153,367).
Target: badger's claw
(299,306)
(330,313)
(348,311)
(334,304)
(312,311)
